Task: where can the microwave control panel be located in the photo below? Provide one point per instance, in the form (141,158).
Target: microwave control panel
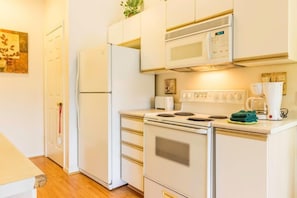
(219,40)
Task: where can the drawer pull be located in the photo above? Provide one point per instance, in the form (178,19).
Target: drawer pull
(132,160)
(167,195)
(133,131)
(132,145)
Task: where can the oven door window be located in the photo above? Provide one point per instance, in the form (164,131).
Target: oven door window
(173,150)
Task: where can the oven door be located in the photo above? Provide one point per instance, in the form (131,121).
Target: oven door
(178,158)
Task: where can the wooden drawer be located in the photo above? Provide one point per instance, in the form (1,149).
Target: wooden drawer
(153,189)
(132,173)
(132,137)
(132,152)
(132,123)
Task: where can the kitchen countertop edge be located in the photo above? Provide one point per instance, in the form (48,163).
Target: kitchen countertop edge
(139,112)
(262,126)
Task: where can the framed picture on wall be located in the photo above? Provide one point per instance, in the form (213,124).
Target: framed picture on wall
(13,51)
(170,86)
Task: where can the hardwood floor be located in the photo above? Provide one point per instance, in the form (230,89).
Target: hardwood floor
(59,184)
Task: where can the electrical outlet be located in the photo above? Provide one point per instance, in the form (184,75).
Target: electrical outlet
(276,77)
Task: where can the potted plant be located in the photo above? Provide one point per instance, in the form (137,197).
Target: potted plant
(132,7)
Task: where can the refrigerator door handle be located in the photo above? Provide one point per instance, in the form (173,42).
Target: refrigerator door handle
(77,93)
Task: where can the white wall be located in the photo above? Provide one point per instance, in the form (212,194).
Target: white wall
(233,79)
(21,98)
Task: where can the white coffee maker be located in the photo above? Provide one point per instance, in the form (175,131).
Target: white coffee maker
(257,102)
(273,92)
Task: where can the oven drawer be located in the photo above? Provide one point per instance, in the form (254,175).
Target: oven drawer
(132,123)
(132,137)
(132,173)
(132,152)
(155,190)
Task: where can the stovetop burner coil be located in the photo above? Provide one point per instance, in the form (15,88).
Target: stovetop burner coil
(165,115)
(184,113)
(218,117)
(200,119)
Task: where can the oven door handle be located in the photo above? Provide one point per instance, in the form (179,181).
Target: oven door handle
(193,129)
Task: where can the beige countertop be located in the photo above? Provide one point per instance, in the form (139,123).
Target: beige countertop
(139,112)
(14,166)
(262,126)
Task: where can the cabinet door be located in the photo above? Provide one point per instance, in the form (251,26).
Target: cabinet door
(131,28)
(241,163)
(115,33)
(260,28)
(179,13)
(153,38)
(208,8)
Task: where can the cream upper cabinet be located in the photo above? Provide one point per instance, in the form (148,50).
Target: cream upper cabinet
(125,32)
(115,33)
(131,28)
(210,8)
(179,13)
(153,38)
(264,30)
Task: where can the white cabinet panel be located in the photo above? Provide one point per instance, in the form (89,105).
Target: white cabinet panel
(255,165)
(131,28)
(153,38)
(257,32)
(208,8)
(179,13)
(132,152)
(154,190)
(132,138)
(134,124)
(135,179)
(125,32)
(262,31)
(115,33)
(240,167)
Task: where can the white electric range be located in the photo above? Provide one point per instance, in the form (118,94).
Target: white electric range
(179,145)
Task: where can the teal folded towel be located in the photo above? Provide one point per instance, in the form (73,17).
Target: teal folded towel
(244,116)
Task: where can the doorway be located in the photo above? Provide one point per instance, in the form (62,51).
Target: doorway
(53,73)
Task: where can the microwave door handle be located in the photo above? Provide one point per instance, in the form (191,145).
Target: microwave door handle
(209,45)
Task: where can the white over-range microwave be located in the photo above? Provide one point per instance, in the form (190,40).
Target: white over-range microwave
(201,46)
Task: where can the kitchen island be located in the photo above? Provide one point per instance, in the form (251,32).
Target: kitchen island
(19,177)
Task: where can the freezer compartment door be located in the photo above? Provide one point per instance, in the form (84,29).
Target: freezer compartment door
(94,70)
(94,132)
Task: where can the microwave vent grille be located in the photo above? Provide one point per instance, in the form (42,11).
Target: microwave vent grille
(200,27)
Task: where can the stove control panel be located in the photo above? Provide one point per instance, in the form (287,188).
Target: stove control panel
(214,96)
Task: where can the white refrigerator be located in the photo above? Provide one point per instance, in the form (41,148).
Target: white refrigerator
(108,81)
